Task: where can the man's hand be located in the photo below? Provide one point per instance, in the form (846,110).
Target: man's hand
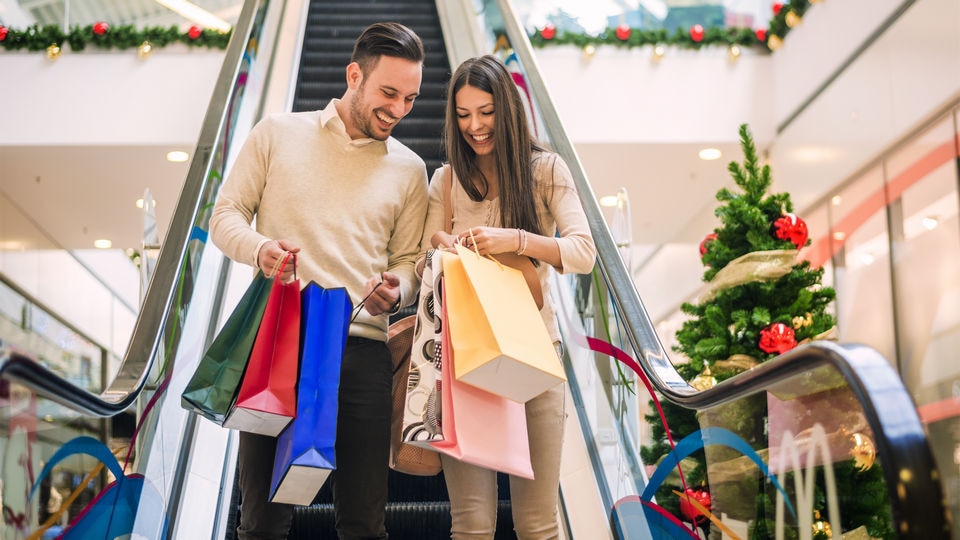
(381,293)
(272,255)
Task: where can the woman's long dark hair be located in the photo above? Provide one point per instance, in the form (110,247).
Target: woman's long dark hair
(513,146)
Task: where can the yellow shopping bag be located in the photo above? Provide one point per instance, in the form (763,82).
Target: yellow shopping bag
(496,330)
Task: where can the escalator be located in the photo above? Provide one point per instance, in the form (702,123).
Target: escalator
(167,474)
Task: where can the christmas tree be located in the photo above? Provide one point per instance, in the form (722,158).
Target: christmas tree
(760,301)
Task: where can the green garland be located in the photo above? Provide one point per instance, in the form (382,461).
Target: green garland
(38,38)
(745,37)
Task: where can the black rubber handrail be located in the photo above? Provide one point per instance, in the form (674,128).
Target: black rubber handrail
(914,488)
(159,301)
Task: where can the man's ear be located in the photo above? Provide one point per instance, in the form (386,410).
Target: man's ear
(354,75)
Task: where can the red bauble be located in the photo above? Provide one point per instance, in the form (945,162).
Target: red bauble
(623,32)
(777,6)
(790,227)
(194,32)
(696,33)
(706,242)
(777,338)
(548,31)
(3,33)
(688,510)
(761,34)
(100,28)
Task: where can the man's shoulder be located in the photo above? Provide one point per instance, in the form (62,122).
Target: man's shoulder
(291,119)
(398,150)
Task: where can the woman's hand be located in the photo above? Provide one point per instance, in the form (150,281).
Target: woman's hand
(443,240)
(490,240)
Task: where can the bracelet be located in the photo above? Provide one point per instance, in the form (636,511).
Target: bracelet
(522,243)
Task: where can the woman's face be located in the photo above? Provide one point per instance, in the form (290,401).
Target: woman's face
(475,118)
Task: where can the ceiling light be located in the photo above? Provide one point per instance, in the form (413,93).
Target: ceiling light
(867,259)
(609,201)
(836,200)
(839,235)
(102,243)
(196,14)
(930,223)
(710,154)
(177,156)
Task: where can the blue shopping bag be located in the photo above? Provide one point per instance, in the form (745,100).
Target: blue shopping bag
(305,454)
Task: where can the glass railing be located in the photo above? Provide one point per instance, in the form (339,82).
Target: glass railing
(819,442)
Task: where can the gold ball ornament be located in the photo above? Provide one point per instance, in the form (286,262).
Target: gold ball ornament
(658,52)
(864,454)
(53,51)
(734,51)
(589,51)
(145,49)
(792,19)
(820,526)
(774,43)
(705,380)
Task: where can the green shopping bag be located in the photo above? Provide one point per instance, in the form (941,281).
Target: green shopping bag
(213,387)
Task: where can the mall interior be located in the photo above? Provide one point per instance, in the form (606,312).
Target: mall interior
(763,349)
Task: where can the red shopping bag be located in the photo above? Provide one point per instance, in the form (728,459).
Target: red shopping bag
(480,427)
(267,399)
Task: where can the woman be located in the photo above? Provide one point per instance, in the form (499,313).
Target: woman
(509,196)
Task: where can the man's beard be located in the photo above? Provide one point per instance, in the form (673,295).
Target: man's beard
(363,122)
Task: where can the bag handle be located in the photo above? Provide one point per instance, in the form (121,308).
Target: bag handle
(281,263)
(447,207)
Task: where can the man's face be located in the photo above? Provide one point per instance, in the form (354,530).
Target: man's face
(380,98)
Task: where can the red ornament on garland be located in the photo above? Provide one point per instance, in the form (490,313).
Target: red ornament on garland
(194,32)
(705,243)
(777,338)
(691,512)
(696,33)
(100,28)
(3,33)
(790,227)
(761,34)
(623,32)
(548,31)
(777,6)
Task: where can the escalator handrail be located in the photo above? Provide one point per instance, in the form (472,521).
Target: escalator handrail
(159,299)
(917,500)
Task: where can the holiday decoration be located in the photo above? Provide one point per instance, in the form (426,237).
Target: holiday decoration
(777,7)
(53,51)
(705,380)
(145,49)
(104,36)
(821,528)
(705,243)
(761,34)
(790,227)
(194,32)
(774,43)
(777,338)
(792,19)
(689,511)
(548,32)
(623,32)
(863,452)
(696,33)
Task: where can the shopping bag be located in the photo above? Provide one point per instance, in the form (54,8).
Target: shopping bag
(267,398)
(305,449)
(479,427)
(498,335)
(420,414)
(213,387)
(404,457)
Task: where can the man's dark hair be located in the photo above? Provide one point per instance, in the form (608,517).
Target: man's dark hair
(386,39)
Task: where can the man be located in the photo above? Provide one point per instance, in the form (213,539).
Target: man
(335,188)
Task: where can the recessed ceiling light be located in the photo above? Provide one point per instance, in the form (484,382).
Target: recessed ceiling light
(177,156)
(710,154)
(839,235)
(102,243)
(836,200)
(608,201)
(930,223)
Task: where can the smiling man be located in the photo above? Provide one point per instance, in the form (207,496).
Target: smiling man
(334,188)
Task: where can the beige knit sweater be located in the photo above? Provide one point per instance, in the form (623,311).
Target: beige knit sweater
(354,207)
